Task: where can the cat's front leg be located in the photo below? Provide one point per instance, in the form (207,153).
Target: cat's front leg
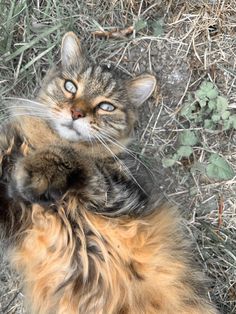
(46,175)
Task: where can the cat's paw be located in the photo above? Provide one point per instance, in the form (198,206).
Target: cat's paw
(41,177)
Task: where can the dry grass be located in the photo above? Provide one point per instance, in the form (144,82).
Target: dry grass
(197,43)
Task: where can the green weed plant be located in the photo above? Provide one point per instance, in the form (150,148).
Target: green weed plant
(204,108)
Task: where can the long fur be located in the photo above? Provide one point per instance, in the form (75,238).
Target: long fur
(75,261)
(85,231)
(120,265)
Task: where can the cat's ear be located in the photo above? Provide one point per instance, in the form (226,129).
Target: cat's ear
(141,88)
(71,51)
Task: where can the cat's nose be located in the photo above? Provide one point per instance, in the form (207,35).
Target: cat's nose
(76,113)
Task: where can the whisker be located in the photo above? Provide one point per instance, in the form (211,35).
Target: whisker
(103,144)
(25,100)
(132,153)
(22,103)
(25,107)
(125,168)
(10,116)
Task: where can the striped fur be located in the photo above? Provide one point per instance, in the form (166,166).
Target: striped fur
(86,233)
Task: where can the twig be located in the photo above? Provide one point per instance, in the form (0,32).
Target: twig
(115,33)
(220,211)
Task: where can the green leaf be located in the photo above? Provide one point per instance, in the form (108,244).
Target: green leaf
(212,104)
(198,118)
(227,124)
(175,157)
(207,89)
(207,111)
(219,168)
(209,124)
(157,27)
(140,24)
(215,117)
(188,138)
(184,151)
(212,94)
(201,94)
(202,103)
(232,120)
(187,111)
(221,103)
(206,86)
(225,115)
(168,162)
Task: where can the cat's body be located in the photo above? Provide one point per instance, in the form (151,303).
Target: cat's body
(88,237)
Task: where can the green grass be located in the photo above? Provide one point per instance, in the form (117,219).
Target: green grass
(174,42)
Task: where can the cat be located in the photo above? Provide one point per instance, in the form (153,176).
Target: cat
(86,233)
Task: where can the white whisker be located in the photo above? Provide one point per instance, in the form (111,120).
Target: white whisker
(10,116)
(18,99)
(131,153)
(123,166)
(14,107)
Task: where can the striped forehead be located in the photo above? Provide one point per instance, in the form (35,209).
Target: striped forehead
(97,81)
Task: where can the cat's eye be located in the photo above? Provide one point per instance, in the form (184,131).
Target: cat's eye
(70,87)
(106,106)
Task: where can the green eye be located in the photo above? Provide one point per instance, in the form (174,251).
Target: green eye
(70,87)
(106,106)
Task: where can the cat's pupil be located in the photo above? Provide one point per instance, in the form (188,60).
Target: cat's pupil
(106,106)
(70,87)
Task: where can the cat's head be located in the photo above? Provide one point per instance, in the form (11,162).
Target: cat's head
(87,102)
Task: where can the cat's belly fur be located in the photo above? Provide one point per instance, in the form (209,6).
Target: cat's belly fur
(98,265)
(107,266)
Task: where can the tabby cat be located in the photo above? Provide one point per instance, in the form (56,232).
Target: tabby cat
(85,232)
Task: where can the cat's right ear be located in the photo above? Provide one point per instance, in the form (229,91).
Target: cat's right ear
(71,51)
(140,88)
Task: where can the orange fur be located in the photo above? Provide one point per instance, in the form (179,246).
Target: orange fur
(72,260)
(134,267)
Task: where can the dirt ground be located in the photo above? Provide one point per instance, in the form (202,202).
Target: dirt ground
(183,43)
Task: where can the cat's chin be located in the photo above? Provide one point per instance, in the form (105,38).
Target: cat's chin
(70,134)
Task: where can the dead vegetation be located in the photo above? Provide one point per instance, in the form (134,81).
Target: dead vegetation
(184,43)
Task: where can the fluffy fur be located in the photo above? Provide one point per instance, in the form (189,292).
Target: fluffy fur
(108,265)
(86,233)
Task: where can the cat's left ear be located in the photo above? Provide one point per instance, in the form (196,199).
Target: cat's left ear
(140,88)
(71,51)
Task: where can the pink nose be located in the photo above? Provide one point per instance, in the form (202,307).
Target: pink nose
(76,113)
